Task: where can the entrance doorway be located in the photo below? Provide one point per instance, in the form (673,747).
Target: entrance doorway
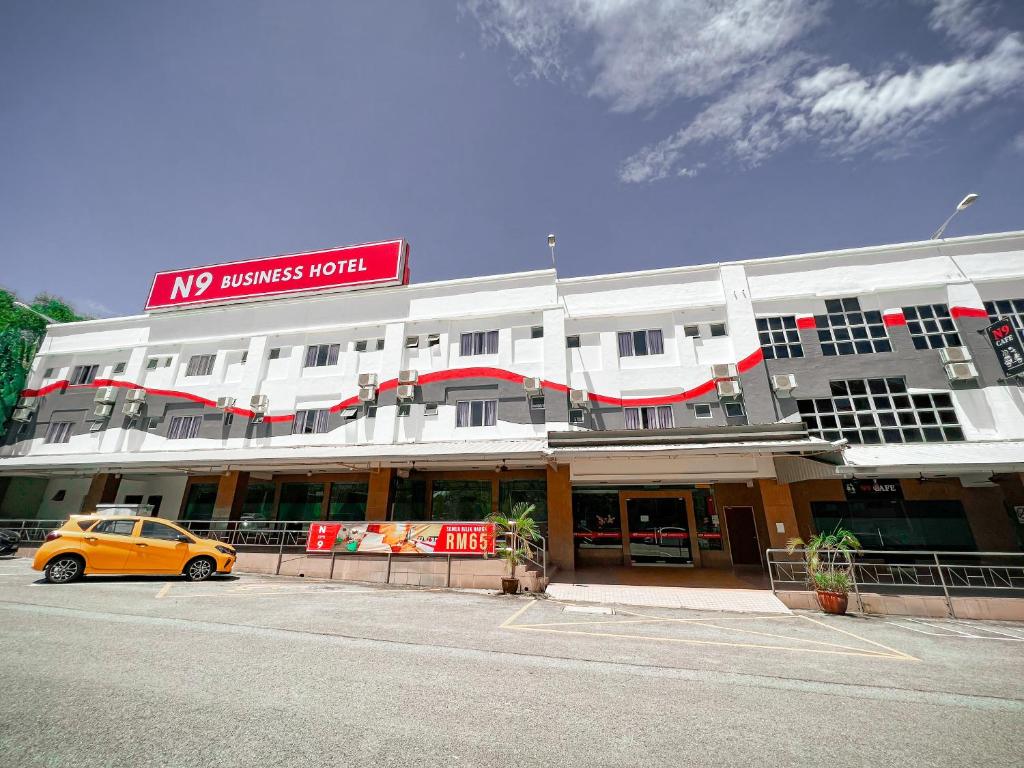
(743,544)
(657,527)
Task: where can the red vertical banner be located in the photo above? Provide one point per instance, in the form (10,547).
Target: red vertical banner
(322,537)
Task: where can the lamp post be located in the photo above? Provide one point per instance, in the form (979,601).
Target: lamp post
(965,203)
(551,245)
(36,312)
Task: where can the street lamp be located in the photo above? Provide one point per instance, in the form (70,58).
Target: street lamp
(35,312)
(551,245)
(965,203)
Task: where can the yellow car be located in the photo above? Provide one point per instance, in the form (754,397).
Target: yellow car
(89,544)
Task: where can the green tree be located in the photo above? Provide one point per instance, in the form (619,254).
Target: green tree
(20,335)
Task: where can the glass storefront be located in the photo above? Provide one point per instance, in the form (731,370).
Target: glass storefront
(347,501)
(259,502)
(301,501)
(408,499)
(512,492)
(596,524)
(200,501)
(460,499)
(898,524)
(709,524)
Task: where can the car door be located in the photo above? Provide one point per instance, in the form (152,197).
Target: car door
(157,549)
(108,545)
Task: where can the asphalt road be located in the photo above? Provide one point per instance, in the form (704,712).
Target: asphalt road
(263,671)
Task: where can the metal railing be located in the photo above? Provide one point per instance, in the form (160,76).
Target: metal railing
(908,572)
(31,531)
(536,551)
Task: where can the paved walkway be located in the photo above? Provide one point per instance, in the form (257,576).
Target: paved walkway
(697,598)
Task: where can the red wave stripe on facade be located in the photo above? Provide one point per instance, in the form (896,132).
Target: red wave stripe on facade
(894,318)
(453,374)
(806,323)
(955,312)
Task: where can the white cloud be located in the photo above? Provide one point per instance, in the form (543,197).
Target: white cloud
(743,64)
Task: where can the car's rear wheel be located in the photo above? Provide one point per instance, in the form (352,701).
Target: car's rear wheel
(200,569)
(63,569)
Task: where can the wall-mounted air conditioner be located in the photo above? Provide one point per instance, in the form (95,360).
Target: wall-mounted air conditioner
(135,395)
(103,410)
(22,414)
(259,403)
(367,379)
(133,408)
(723,371)
(580,398)
(225,402)
(955,355)
(105,395)
(408,377)
(728,388)
(532,385)
(961,372)
(406,392)
(367,394)
(783,383)
(28,403)
(430,409)
(349,413)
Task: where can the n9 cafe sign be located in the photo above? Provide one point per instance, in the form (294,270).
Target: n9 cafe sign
(402,538)
(354,266)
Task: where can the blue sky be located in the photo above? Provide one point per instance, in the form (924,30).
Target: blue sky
(137,136)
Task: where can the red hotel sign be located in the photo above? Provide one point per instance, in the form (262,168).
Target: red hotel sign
(355,266)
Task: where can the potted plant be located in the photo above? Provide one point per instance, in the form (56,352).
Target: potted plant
(515,530)
(829,558)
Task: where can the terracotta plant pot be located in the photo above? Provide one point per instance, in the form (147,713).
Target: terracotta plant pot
(832,602)
(509,586)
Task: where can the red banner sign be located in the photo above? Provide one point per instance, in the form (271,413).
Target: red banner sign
(356,266)
(403,538)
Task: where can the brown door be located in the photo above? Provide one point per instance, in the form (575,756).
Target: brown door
(742,536)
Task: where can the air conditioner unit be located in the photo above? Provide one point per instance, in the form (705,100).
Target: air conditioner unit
(28,403)
(579,398)
(430,409)
(105,395)
(783,382)
(349,413)
(407,377)
(103,410)
(22,414)
(225,402)
(133,408)
(367,394)
(723,371)
(135,395)
(406,392)
(367,380)
(532,385)
(728,388)
(961,372)
(259,403)
(955,355)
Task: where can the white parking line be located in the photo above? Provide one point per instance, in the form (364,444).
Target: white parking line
(954,633)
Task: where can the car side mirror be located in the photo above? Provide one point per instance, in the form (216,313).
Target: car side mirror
(184,539)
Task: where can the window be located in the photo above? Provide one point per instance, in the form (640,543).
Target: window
(60,495)
(881,411)
(48,374)
(133,498)
(58,432)
(779,337)
(537,332)
(199,501)
(152,422)
(572,342)
(478,343)
(320,355)
(702,411)
(717,329)
(152,363)
(115,527)
(245,357)
(1011,309)
(434,340)
(846,330)
(931,326)
(152,530)
(640,343)
(577,416)
(347,501)
(274,354)
(460,500)
(378,344)
(536,402)
(119,368)
(371,411)
(733,410)
(476,413)
(311,422)
(412,342)
(359,346)
(657,417)
(512,492)
(430,409)
(155,502)
(259,502)
(691,331)
(350,413)
(404,409)
(83,374)
(184,427)
(200,365)
(301,501)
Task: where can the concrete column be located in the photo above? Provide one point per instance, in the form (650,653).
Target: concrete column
(379,491)
(778,511)
(560,541)
(230,495)
(102,490)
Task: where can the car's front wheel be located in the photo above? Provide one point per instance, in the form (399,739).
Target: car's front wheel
(200,569)
(64,568)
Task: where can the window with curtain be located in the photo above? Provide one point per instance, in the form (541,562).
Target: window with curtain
(348,501)
(184,427)
(311,422)
(59,431)
(200,365)
(476,413)
(318,355)
(478,343)
(641,343)
(460,500)
(301,501)
(656,417)
(83,374)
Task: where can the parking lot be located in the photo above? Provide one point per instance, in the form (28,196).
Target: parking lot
(269,670)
